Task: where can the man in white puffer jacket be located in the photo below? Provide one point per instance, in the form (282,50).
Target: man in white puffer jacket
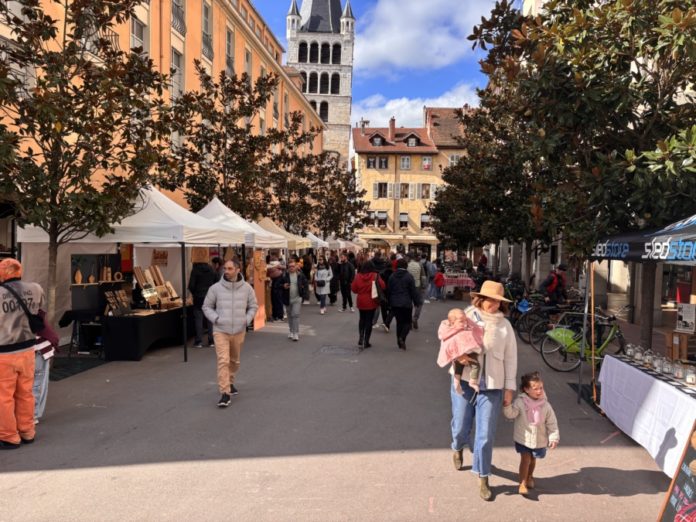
(230,306)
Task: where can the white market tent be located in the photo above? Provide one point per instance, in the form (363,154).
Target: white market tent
(294,242)
(156,221)
(317,242)
(254,236)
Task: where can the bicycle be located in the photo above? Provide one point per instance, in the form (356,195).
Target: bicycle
(561,347)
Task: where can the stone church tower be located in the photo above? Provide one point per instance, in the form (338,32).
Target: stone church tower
(321,38)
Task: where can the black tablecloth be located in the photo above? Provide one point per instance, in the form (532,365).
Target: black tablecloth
(127,338)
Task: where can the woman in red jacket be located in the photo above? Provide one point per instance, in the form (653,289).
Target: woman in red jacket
(362,286)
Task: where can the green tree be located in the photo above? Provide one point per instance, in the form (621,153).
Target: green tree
(600,85)
(216,151)
(85,120)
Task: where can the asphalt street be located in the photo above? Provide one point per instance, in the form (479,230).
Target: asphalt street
(318,432)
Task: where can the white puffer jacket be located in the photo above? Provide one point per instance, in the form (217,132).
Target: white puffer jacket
(230,306)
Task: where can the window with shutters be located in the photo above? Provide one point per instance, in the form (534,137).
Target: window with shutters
(454,159)
(412,191)
(383,162)
(380,190)
(390,190)
(425,191)
(371,162)
(427,163)
(405,162)
(403,193)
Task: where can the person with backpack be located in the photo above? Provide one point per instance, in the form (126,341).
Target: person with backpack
(202,277)
(346,273)
(554,286)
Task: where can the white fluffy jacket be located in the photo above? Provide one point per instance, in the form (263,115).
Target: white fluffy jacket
(533,436)
(499,350)
(230,306)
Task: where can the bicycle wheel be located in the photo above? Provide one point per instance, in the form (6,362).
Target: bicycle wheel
(557,357)
(616,346)
(538,332)
(525,323)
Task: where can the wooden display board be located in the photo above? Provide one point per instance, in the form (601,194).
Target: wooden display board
(680,502)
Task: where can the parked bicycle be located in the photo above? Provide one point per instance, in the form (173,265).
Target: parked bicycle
(561,346)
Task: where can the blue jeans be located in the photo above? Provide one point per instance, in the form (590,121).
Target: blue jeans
(322,300)
(485,412)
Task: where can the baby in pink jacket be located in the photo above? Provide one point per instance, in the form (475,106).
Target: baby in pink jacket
(460,336)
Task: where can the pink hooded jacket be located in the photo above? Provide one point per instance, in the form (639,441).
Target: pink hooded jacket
(456,341)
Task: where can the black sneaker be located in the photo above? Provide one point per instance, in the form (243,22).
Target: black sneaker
(224,401)
(233,390)
(402,344)
(415,324)
(26,441)
(4,445)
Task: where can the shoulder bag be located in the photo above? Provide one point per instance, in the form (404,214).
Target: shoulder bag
(36,322)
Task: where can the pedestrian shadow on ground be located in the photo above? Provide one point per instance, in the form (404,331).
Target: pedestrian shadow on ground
(589,481)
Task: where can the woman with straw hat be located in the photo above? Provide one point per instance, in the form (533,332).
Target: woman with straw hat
(497,383)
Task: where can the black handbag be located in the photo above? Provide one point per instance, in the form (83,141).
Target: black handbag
(380,293)
(36,322)
(321,283)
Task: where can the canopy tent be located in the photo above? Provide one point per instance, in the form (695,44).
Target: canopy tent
(254,236)
(294,242)
(156,220)
(343,244)
(360,242)
(316,241)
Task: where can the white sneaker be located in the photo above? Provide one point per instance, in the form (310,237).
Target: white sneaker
(322,311)
(291,335)
(426,301)
(352,309)
(341,309)
(296,337)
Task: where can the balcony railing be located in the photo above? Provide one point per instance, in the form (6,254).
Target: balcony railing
(179,18)
(208,46)
(92,42)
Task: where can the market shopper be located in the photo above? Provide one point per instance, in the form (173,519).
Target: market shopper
(275,274)
(415,268)
(346,271)
(17,355)
(367,304)
(403,296)
(202,277)
(554,286)
(497,383)
(230,306)
(295,290)
(322,283)
(335,280)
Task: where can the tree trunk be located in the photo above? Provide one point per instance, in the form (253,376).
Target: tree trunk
(52,272)
(526,272)
(646,304)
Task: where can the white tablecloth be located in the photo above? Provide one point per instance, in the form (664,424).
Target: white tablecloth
(653,412)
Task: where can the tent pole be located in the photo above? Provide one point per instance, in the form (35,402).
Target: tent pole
(244,261)
(584,329)
(184,297)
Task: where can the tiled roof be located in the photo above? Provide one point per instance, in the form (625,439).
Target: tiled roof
(363,145)
(444,126)
(321,16)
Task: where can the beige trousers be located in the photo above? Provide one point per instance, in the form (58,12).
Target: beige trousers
(228,348)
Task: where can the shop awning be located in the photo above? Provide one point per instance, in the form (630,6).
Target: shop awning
(254,235)
(294,242)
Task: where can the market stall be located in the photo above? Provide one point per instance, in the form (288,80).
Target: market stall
(317,242)
(294,242)
(108,292)
(647,399)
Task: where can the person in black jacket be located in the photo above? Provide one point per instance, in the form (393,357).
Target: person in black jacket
(403,295)
(346,272)
(335,284)
(203,276)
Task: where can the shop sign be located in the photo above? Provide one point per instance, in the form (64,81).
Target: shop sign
(611,250)
(668,250)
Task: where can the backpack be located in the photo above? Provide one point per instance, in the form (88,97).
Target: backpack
(554,283)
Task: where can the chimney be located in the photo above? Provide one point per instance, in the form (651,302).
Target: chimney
(363,123)
(392,129)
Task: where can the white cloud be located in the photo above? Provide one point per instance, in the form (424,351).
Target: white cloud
(415,34)
(409,111)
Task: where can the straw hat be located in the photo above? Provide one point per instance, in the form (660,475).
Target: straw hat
(492,290)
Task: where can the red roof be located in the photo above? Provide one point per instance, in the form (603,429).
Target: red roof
(444,126)
(362,143)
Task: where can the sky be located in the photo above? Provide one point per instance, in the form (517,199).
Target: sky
(409,54)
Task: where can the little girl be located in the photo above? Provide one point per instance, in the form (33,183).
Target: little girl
(535,427)
(459,336)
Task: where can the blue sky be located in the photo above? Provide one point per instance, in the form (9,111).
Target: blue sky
(409,53)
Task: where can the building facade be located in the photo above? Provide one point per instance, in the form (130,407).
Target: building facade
(321,38)
(225,35)
(400,170)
